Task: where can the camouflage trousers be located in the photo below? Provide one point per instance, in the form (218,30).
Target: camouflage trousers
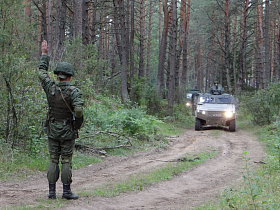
(60,149)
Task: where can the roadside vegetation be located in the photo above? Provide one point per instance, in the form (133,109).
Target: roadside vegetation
(110,128)
(259,114)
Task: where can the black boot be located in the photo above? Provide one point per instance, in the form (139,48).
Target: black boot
(67,194)
(52,194)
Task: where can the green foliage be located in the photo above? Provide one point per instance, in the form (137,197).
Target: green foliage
(19,164)
(16,163)
(251,182)
(152,100)
(90,69)
(16,75)
(109,115)
(138,89)
(263,105)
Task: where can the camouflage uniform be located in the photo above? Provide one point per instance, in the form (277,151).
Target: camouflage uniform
(60,128)
(216,89)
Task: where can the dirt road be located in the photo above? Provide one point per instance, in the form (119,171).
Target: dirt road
(192,188)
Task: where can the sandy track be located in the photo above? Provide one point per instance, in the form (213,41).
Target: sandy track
(192,188)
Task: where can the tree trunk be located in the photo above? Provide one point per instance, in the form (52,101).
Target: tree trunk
(162,50)
(234,47)
(44,21)
(213,72)
(278,44)
(243,57)
(124,93)
(141,72)
(92,21)
(27,10)
(159,21)
(182,31)
(227,44)
(132,51)
(199,65)
(117,27)
(259,40)
(78,18)
(267,55)
(50,27)
(149,43)
(186,18)
(60,29)
(85,22)
(12,123)
(172,58)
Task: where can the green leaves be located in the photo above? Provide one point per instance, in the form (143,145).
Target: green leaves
(264,104)
(130,121)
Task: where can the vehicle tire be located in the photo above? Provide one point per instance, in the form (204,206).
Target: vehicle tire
(232,125)
(197,125)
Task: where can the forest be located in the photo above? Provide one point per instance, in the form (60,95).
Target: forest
(135,61)
(140,51)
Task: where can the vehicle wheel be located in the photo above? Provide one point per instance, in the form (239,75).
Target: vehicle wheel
(232,125)
(197,125)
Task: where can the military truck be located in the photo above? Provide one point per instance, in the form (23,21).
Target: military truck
(215,110)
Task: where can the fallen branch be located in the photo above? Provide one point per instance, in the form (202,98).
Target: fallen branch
(98,150)
(179,160)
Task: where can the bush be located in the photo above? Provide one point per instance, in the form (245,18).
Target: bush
(263,105)
(109,115)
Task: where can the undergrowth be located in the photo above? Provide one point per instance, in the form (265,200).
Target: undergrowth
(17,164)
(108,124)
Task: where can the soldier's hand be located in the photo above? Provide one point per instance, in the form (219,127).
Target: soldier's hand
(44,47)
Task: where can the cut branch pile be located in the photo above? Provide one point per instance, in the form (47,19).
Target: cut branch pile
(100,150)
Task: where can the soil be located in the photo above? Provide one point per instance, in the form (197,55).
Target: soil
(190,189)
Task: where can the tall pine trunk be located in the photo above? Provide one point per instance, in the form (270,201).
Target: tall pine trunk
(243,44)
(149,43)
(162,49)
(172,58)
(141,72)
(227,44)
(267,55)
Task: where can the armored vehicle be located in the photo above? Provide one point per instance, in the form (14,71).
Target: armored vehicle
(215,110)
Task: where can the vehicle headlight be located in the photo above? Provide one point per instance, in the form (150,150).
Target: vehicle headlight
(228,114)
(201,111)
(188,104)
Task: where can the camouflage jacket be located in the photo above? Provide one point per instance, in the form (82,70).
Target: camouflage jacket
(216,90)
(59,128)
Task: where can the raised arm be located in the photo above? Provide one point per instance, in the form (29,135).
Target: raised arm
(43,67)
(44,47)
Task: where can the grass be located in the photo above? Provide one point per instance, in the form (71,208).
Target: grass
(19,165)
(172,128)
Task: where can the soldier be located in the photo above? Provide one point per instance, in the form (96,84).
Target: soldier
(65,117)
(216,89)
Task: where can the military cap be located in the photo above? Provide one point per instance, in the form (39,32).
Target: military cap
(64,68)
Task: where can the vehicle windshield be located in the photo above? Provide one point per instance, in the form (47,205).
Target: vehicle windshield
(217,99)
(209,100)
(224,100)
